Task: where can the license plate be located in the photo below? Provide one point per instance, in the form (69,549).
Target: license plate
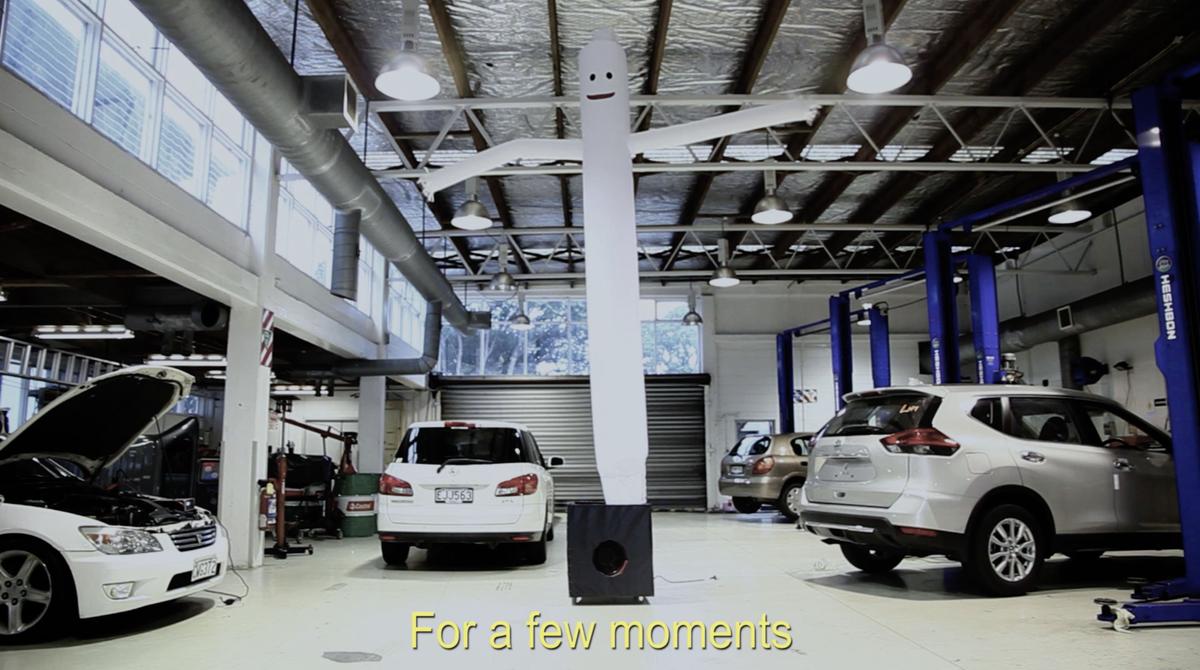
(737,469)
(204,568)
(454,496)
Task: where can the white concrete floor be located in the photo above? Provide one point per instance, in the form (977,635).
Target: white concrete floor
(720,567)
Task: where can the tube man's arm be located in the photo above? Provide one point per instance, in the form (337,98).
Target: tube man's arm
(501,154)
(741,121)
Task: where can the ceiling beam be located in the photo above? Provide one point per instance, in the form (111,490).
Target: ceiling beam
(768,27)
(326,17)
(950,55)
(456,61)
(658,50)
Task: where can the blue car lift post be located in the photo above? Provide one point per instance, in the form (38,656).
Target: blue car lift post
(839,329)
(1170,176)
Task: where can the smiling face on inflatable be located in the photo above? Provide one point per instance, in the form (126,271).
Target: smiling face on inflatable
(603,72)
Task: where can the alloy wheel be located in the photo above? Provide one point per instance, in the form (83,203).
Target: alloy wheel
(25,591)
(1012,550)
(793,499)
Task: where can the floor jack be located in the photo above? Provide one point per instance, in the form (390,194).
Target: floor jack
(1169,167)
(281,548)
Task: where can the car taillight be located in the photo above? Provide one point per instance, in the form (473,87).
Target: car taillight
(764,465)
(394,486)
(921,442)
(517,486)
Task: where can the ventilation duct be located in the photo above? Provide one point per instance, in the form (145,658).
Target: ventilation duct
(225,41)
(344,281)
(186,318)
(386,367)
(1129,301)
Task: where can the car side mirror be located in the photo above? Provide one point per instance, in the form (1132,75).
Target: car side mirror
(557,462)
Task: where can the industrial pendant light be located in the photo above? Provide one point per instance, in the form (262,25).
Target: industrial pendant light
(879,68)
(692,318)
(502,281)
(723,276)
(1068,212)
(520,320)
(407,76)
(770,209)
(472,215)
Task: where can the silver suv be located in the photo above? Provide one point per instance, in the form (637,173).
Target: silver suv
(997,477)
(766,470)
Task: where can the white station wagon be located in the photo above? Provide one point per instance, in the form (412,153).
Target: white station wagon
(482,482)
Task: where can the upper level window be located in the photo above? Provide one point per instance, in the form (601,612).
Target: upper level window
(107,64)
(557,342)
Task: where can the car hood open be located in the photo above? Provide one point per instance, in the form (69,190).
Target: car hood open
(92,424)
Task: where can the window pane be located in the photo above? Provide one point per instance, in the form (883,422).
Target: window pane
(42,45)
(548,348)
(122,18)
(579,310)
(227,118)
(505,351)
(671,310)
(577,349)
(122,100)
(187,79)
(677,348)
(648,346)
(227,183)
(179,147)
(1043,419)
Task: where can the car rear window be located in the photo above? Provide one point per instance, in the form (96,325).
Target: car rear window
(436,445)
(751,445)
(882,414)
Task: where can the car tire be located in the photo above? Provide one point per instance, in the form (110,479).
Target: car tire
(1006,551)
(789,500)
(746,505)
(535,553)
(38,579)
(871,560)
(395,553)
(1087,556)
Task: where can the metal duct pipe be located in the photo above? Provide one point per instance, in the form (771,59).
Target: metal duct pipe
(225,41)
(1122,303)
(205,315)
(344,281)
(385,367)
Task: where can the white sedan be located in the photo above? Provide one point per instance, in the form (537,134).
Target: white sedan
(70,548)
(482,482)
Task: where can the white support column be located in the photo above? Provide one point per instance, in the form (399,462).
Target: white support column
(372,395)
(244,437)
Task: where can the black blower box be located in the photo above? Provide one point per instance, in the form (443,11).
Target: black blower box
(610,553)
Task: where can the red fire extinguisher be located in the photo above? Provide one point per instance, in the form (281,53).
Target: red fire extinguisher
(267,506)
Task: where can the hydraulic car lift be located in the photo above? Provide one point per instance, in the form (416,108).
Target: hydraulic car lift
(1169,158)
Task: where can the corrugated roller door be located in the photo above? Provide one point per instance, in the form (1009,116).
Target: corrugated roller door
(560,416)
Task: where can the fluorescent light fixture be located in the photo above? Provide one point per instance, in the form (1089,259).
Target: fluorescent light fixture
(520,320)
(472,215)
(293,389)
(692,318)
(1068,213)
(220,375)
(503,281)
(723,276)
(89,332)
(864,320)
(407,76)
(878,69)
(187,361)
(958,279)
(770,209)
(3,295)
